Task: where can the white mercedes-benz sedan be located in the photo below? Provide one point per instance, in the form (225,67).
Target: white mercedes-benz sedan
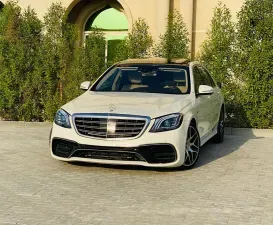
(146,112)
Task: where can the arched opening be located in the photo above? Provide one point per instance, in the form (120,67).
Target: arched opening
(108,19)
(113,24)
(109,16)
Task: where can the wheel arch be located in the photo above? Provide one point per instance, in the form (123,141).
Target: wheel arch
(223,108)
(193,122)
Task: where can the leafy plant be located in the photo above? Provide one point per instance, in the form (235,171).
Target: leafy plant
(10,19)
(254,56)
(138,44)
(20,41)
(175,42)
(56,54)
(30,93)
(65,62)
(88,63)
(217,50)
(217,54)
(95,62)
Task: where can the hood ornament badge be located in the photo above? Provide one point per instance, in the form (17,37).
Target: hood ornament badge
(112,108)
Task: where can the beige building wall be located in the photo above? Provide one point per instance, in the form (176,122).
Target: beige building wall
(197,13)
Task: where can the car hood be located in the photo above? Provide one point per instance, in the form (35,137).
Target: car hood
(142,104)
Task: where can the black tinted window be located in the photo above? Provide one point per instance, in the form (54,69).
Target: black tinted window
(198,78)
(207,77)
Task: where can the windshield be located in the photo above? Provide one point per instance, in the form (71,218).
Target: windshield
(163,79)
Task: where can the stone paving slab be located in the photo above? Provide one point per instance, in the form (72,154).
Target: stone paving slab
(232,184)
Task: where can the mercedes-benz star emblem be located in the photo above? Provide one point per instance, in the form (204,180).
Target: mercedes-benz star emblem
(112,108)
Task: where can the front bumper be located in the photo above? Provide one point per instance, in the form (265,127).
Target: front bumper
(165,149)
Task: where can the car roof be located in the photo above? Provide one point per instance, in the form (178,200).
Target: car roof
(155,60)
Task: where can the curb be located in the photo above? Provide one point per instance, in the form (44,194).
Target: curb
(249,132)
(19,124)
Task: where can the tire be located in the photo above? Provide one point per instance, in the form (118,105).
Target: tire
(219,137)
(192,148)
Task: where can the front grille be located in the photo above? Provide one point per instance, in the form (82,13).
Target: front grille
(108,127)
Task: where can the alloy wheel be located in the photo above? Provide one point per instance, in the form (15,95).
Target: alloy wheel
(192,147)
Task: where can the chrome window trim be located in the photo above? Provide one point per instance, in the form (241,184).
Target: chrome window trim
(111,116)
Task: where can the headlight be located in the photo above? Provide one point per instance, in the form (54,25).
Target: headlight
(62,119)
(166,123)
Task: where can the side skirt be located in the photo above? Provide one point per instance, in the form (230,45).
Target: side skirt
(208,136)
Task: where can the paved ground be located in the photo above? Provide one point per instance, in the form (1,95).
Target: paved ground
(232,184)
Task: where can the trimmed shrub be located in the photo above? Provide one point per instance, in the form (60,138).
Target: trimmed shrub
(30,91)
(19,43)
(254,57)
(42,64)
(138,44)
(10,20)
(217,50)
(217,54)
(175,42)
(95,62)
(56,53)
(65,62)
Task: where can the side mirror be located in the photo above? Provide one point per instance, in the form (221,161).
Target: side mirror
(205,90)
(85,85)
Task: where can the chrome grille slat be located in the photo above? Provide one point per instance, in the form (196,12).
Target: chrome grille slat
(110,126)
(128,128)
(92,132)
(91,127)
(131,124)
(122,133)
(91,122)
